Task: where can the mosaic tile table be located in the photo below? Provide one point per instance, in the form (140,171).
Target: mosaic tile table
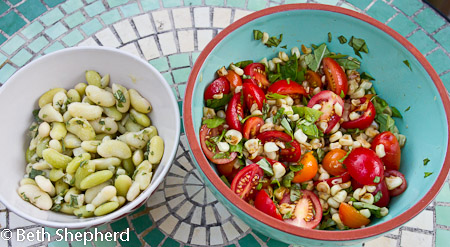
(170,34)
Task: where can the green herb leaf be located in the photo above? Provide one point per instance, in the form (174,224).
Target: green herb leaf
(358,45)
(313,61)
(284,46)
(119,97)
(377,197)
(265,110)
(257,35)
(274,77)
(239,148)
(36,116)
(346,155)
(425,161)
(266,166)
(278,114)
(218,103)
(396,112)
(274,41)
(82,163)
(296,168)
(329,37)
(289,70)
(222,155)
(426,174)
(336,56)
(270,96)
(406,62)
(287,127)
(376,179)
(309,129)
(355,131)
(327,224)
(407,109)
(56,208)
(364,75)
(309,114)
(213,122)
(342,39)
(295,193)
(73,201)
(242,64)
(34,173)
(288,215)
(225,180)
(342,94)
(319,154)
(349,63)
(385,121)
(287,179)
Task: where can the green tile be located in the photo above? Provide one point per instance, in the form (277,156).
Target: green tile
(439,60)
(52,231)
(168,77)
(329,2)
(111,17)
(248,241)
(99,228)
(446,80)
(75,19)
(52,17)
(181,75)
(91,27)
(409,7)
(275,243)
(180,107)
(71,5)
(11,23)
(154,237)
(402,25)
(170,243)
(115,3)
(2,38)
(2,58)
(54,47)
(236,3)
(80,243)
(14,2)
(21,58)
(130,10)
(105,243)
(133,240)
(95,8)
(381,11)
(442,237)
(6,72)
(179,60)
(140,209)
(38,44)
(182,90)
(429,20)
(72,38)
(264,238)
(181,126)
(160,64)
(142,223)
(56,30)
(13,44)
(193,2)
(31,30)
(443,215)
(214,2)
(256,4)
(32,9)
(295,1)
(444,194)
(422,42)
(58,244)
(273,4)
(362,4)
(120,225)
(53,3)
(195,56)
(443,37)
(150,4)
(3,7)
(171,3)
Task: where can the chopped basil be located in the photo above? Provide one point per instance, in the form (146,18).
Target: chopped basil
(313,61)
(82,163)
(406,62)
(101,122)
(346,155)
(108,129)
(376,179)
(243,64)
(319,154)
(377,197)
(25,197)
(36,116)
(342,39)
(257,35)
(213,122)
(295,193)
(396,112)
(342,94)
(259,186)
(225,180)
(386,122)
(309,129)
(270,96)
(309,114)
(239,148)
(407,109)
(361,205)
(287,127)
(120,98)
(218,103)
(355,131)
(288,215)
(274,41)
(327,225)
(358,45)
(287,179)
(289,70)
(222,155)
(56,208)
(329,37)
(349,63)
(427,174)
(217,139)
(265,110)
(73,201)
(278,114)
(284,46)
(34,173)
(296,168)
(275,181)
(336,56)
(249,116)
(425,161)
(364,75)
(266,166)
(274,77)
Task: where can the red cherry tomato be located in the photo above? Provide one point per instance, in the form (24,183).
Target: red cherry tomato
(381,187)
(364,166)
(271,161)
(252,126)
(253,94)
(205,134)
(220,85)
(365,120)
(392,149)
(335,76)
(245,182)
(331,162)
(235,110)
(344,178)
(308,212)
(291,153)
(284,87)
(313,78)
(352,217)
(397,191)
(327,100)
(234,79)
(266,205)
(257,73)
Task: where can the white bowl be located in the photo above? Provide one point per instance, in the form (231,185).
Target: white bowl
(65,68)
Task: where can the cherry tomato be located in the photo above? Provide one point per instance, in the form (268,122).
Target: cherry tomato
(220,85)
(313,78)
(344,178)
(284,87)
(367,112)
(364,166)
(309,169)
(271,161)
(392,149)
(397,191)
(205,134)
(291,153)
(257,73)
(234,79)
(235,110)
(331,162)
(381,187)
(266,205)
(252,126)
(227,169)
(253,94)
(351,217)
(245,182)
(335,76)
(327,100)
(308,212)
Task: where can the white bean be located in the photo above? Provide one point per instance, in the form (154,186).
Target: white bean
(36,196)
(105,195)
(138,157)
(122,97)
(49,114)
(106,125)
(59,101)
(156,150)
(44,130)
(71,141)
(114,148)
(55,144)
(133,192)
(105,163)
(90,146)
(85,110)
(91,193)
(81,128)
(100,96)
(138,102)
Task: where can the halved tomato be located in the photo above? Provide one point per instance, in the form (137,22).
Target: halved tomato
(291,153)
(266,205)
(271,161)
(245,182)
(364,166)
(253,94)
(308,212)
(252,126)
(228,169)
(309,169)
(392,149)
(257,73)
(211,150)
(313,78)
(331,162)
(351,217)
(400,189)
(285,87)
(234,80)
(235,112)
(219,85)
(327,100)
(335,76)
(367,115)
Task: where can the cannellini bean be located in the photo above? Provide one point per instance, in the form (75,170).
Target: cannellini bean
(104,195)
(138,157)
(122,97)
(27,181)
(106,208)
(56,159)
(93,78)
(91,193)
(105,81)
(44,130)
(113,112)
(56,174)
(133,192)
(67,116)
(72,192)
(139,139)
(73,95)
(77,162)
(90,146)
(49,114)
(78,151)
(104,163)
(143,178)
(47,97)
(82,212)
(114,148)
(41,165)
(58,131)
(81,87)
(45,184)
(55,144)
(85,110)
(83,171)
(81,128)
(59,101)
(123,184)
(32,193)
(104,125)
(138,102)
(140,118)
(95,178)
(100,96)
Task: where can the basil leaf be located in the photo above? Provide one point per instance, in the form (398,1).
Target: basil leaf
(309,114)
(346,155)
(319,154)
(218,103)
(295,193)
(329,37)
(274,77)
(336,56)
(243,64)
(213,122)
(270,96)
(274,41)
(266,166)
(265,110)
(407,109)
(396,112)
(426,174)
(406,62)
(327,225)
(257,35)
(278,114)
(34,173)
(289,70)
(221,155)
(238,148)
(249,116)
(296,168)
(349,63)
(287,127)
(225,180)
(36,116)
(385,121)
(376,179)
(309,129)
(377,197)
(355,131)
(358,45)
(364,75)
(287,179)
(342,39)
(320,52)
(425,161)
(379,104)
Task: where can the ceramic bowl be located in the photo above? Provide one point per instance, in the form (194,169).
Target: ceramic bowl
(65,68)
(419,88)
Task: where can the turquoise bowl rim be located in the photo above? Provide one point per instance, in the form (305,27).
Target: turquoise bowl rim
(256,215)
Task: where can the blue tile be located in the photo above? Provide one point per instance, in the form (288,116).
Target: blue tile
(21,58)
(13,44)
(54,47)
(429,20)
(73,38)
(56,30)
(71,5)
(53,3)
(422,42)
(3,7)
(381,11)
(130,10)
(95,8)
(52,17)
(111,16)
(38,44)
(6,72)
(32,9)
(2,38)
(115,3)
(402,25)
(32,30)
(11,23)
(443,37)
(409,7)
(91,27)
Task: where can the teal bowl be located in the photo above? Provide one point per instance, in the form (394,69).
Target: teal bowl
(419,89)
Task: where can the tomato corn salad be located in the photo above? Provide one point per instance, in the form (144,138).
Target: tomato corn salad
(304,138)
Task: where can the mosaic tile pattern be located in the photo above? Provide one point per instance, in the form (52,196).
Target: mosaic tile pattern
(170,34)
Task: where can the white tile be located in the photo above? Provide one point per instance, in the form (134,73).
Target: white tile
(168,224)
(192,189)
(203,38)
(131,48)
(167,43)
(222,17)
(382,241)
(16,221)
(125,31)
(185,209)
(230,231)
(200,197)
(239,13)
(215,236)
(183,232)
(199,236)
(143,25)
(209,197)
(88,42)
(180,151)
(197,216)
(182,17)
(175,169)
(210,216)
(107,38)
(176,201)
(2,220)
(185,163)
(201,17)
(157,198)
(171,191)
(170,180)
(416,239)
(159,213)
(149,48)
(162,20)
(2,206)
(32,232)
(424,220)
(186,42)
(244,227)
(223,212)
(3,243)
(193,180)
